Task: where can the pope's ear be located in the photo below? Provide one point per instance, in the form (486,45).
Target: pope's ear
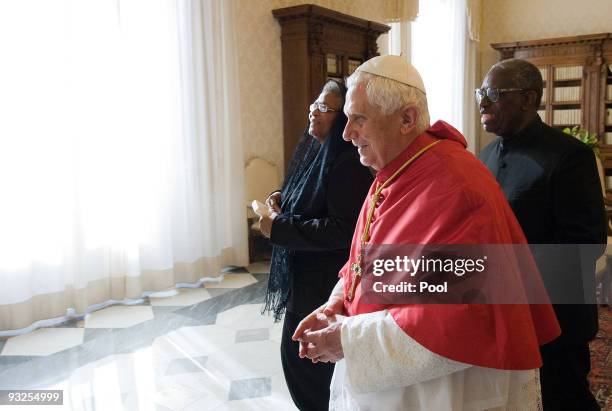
(409,119)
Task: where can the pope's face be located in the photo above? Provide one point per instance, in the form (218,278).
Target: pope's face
(375,135)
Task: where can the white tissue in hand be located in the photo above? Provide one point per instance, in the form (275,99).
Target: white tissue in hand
(260,208)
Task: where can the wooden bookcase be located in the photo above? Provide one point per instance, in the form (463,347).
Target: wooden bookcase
(318,44)
(577,73)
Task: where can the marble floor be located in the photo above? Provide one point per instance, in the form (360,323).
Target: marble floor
(207,348)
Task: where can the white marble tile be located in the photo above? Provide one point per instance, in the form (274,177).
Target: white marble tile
(92,396)
(131,382)
(102,384)
(270,403)
(279,386)
(246,316)
(254,334)
(185,297)
(44,341)
(242,361)
(231,280)
(198,341)
(196,391)
(279,400)
(68,404)
(276,332)
(116,375)
(186,365)
(176,396)
(119,316)
(125,381)
(259,267)
(250,388)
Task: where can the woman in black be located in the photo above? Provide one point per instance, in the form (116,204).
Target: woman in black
(311,227)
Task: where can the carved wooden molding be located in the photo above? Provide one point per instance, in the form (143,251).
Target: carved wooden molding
(316,41)
(314,13)
(589,43)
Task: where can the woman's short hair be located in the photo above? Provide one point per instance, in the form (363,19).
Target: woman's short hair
(334,87)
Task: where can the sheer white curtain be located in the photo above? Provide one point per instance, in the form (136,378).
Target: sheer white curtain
(399,43)
(121,167)
(445,55)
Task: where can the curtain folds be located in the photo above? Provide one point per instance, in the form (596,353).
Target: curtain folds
(474,13)
(447,61)
(121,163)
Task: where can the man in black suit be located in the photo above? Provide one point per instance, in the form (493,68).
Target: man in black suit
(551,182)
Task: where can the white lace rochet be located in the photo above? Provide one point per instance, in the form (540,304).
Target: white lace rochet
(385,369)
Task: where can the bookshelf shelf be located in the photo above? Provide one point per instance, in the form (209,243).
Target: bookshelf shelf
(571,82)
(574,103)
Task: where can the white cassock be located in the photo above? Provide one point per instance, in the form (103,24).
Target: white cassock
(385,369)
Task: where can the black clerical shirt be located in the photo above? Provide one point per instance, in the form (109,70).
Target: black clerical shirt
(551,182)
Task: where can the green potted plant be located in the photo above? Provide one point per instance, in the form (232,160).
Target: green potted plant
(591,140)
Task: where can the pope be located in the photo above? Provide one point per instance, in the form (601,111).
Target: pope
(428,190)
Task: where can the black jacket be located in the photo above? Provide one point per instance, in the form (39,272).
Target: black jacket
(321,243)
(551,182)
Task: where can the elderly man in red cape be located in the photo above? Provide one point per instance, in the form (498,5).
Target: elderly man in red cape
(428,190)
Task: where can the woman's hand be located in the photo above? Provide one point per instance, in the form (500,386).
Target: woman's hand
(265,224)
(273,202)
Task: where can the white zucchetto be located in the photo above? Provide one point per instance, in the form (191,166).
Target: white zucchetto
(394,68)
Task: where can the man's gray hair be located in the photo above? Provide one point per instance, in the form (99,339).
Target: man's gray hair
(524,75)
(390,96)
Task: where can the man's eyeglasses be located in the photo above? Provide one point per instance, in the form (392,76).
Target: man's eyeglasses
(493,94)
(323,108)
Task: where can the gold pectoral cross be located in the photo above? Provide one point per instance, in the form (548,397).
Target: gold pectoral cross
(356,268)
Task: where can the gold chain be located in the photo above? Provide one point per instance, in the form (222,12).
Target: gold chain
(356,266)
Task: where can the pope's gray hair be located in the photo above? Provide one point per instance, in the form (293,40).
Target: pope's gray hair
(390,96)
